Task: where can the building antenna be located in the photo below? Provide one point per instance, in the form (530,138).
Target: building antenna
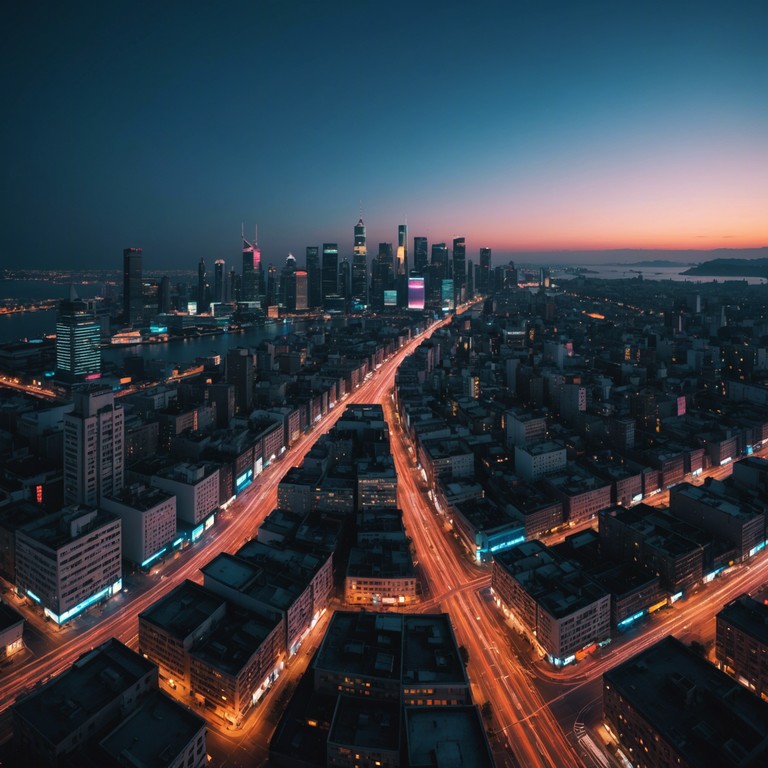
(255,234)
(242,230)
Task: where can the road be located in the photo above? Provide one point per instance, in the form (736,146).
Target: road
(527,733)
(239,522)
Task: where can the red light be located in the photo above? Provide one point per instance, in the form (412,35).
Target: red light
(39,494)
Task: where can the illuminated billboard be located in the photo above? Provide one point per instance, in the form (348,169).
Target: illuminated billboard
(390,298)
(447,294)
(416,292)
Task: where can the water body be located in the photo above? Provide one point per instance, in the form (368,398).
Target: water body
(622,272)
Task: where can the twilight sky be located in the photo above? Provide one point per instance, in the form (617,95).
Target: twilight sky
(524,126)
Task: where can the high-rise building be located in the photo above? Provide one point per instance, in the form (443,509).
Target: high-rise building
(218,281)
(164,295)
(459,270)
(382,278)
(93,447)
(360,266)
(420,254)
(202,287)
(330,270)
(252,286)
(301,291)
(78,342)
(288,284)
(133,301)
(314,277)
(234,283)
(402,250)
(345,279)
(273,284)
(239,369)
(484,274)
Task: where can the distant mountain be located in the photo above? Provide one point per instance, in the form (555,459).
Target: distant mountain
(730,268)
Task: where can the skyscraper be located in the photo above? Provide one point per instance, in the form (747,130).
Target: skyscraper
(360,266)
(345,280)
(382,278)
(288,284)
(164,295)
(420,253)
(300,278)
(202,287)
(133,301)
(330,270)
(459,270)
(273,285)
(78,341)
(219,281)
(484,276)
(314,277)
(93,447)
(239,372)
(252,285)
(402,250)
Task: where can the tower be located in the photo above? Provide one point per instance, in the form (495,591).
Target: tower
(314,277)
(202,287)
(382,279)
(360,266)
(218,281)
(78,341)
(164,295)
(459,270)
(133,302)
(420,254)
(239,372)
(252,284)
(330,270)
(288,284)
(484,275)
(93,447)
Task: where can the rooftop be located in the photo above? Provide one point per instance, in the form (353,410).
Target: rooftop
(183,609)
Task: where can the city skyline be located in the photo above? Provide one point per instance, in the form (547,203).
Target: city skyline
(539,129)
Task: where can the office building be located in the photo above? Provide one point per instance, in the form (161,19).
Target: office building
(420,254)
(301,291)
(314,278)
(78,342)
(148,522)
(288,284)
(742,643)
(359,268)
(483,286)
(93,447)
(202,287)
(561,608)
(382,278)
(70,560)
(133,300)
(196,488)
(219,281)
(668,706)
(345,280)
(11,631)
(459,270)
(164,295)
(239,372)
(330,271)
(252,283)
(401,266)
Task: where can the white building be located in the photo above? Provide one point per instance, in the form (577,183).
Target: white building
(149,521)
(196,487)
(93,448)
(70,560)
(539,459)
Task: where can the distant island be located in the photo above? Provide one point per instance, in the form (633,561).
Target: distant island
(650,264)
(730,268)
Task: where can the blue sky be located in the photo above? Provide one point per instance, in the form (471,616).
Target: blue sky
(526,126)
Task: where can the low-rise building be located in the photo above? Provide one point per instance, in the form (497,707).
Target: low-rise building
(196,488)
(99,689)
(535,460)
(11,631)
(68,561)
(670,707)
(583,495)
(148,522)
(742,643)
(560,607)
(380,574)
